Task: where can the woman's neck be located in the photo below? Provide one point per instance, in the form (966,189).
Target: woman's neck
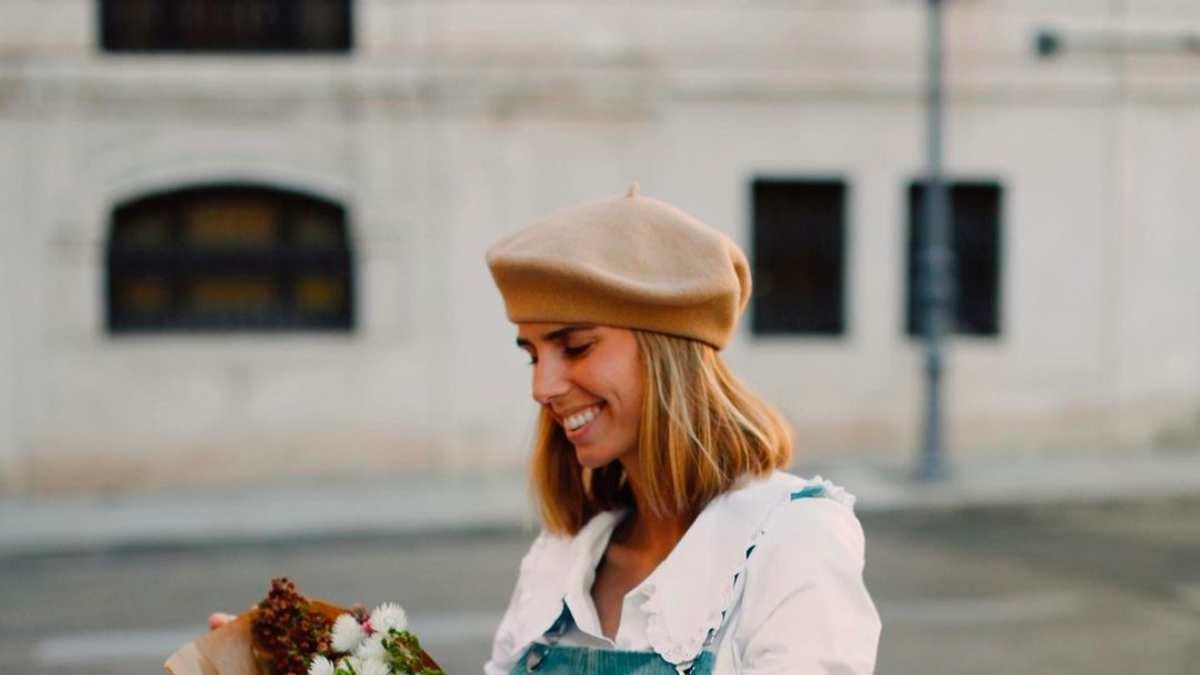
(644,531)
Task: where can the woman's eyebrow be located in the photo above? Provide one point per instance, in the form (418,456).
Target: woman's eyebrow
(556,334)
(565,331)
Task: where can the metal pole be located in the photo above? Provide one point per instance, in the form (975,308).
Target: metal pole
(936,262)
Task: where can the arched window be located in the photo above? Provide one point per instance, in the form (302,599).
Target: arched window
(229,258)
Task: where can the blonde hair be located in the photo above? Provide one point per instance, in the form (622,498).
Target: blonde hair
(701,430)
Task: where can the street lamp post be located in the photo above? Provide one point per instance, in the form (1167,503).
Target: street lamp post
(936,262)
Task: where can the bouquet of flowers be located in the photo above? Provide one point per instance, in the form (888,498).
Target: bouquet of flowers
(288,634)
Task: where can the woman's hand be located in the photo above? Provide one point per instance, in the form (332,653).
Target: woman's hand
(218,619)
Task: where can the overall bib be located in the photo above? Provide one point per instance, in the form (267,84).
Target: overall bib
(553,659)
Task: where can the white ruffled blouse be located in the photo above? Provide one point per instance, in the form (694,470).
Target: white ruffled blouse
(772,569)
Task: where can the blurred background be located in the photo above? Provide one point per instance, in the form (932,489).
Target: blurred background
(246,328)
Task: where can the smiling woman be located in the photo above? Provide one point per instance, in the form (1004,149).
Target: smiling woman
(589,385)
(673,540)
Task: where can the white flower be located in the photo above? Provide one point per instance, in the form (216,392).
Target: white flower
(371,648)
(362,666)
(372,667)
(387,616)
(347,633)
(320,666)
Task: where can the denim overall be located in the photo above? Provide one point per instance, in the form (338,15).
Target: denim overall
(552,659)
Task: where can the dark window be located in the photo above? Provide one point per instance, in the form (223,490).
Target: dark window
(226,258)
(226,25)
(799,256)
(975,217)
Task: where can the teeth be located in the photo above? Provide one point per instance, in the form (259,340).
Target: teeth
(579,419)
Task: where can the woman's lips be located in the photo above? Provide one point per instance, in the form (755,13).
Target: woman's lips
(579,432)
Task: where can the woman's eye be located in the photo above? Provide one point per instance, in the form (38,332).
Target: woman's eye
(576,351)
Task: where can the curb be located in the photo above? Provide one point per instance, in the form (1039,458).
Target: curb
(449,506)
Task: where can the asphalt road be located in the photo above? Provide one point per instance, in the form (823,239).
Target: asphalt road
(1057,592)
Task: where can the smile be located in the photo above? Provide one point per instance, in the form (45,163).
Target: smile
(581,419)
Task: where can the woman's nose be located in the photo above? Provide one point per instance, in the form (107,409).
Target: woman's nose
(549,381)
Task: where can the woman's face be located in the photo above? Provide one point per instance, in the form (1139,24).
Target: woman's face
(589,379)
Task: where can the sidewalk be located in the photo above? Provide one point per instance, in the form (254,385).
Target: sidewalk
(443,504)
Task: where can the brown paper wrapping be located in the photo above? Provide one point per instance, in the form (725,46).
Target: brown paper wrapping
(227,650)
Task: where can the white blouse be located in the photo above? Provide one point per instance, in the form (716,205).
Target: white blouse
(772,569)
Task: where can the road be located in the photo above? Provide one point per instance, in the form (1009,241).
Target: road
(1086,590)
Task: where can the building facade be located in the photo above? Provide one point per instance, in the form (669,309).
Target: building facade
(423,130)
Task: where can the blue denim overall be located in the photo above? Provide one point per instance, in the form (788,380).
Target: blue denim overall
(553,659)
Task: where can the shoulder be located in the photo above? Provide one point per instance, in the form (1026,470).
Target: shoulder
(805,605)
(787,510)
(812,537)
(780,516)
(815,522)
(809,539)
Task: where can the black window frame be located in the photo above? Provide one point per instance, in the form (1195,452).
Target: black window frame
(969,254)
(175,264)
(169,31)
(772,318)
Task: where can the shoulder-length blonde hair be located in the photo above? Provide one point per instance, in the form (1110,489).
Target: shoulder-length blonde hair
(701,430)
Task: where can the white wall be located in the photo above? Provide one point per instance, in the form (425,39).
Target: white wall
(455,122)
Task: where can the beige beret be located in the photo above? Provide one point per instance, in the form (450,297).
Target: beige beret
(632,261)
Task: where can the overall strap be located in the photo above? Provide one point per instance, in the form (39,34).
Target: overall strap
(537,652)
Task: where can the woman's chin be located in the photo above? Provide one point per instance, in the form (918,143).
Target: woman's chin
(589,458)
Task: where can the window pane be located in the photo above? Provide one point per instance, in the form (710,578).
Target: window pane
(799,256)
(145,295)
(316,229)
(324,24)
(232,293)
(321,294)
(975,231)
(232,222)
(131,23)
(148,229)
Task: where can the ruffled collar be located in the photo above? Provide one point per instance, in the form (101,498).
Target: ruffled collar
(688,594)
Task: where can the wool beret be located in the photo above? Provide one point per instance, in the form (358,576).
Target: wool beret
(632,261)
